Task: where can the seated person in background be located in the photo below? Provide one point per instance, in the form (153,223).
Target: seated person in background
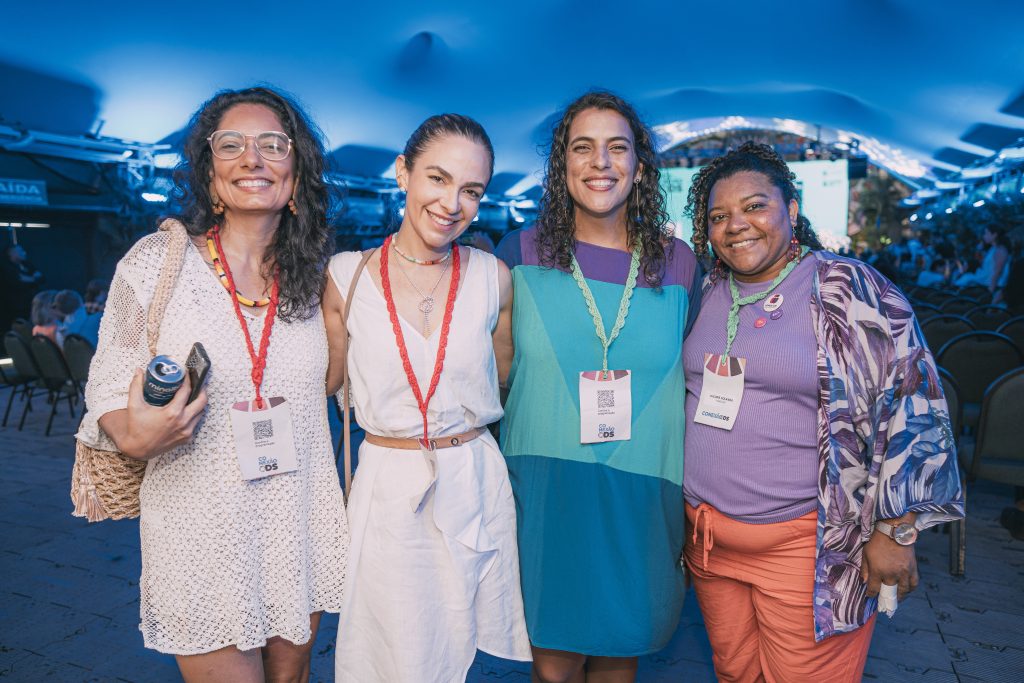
(43,317)
(74,319)
(937,276)
(96,295)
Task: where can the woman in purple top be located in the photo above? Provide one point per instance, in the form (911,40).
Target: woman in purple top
(817,440)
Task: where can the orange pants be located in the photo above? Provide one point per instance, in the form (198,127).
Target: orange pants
(755,583)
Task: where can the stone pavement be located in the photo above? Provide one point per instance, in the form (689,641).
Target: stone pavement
(69,602)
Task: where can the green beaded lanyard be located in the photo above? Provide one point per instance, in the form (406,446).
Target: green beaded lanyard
(733,323)
(620,320)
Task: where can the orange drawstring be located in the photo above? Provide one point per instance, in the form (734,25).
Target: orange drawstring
(704,510)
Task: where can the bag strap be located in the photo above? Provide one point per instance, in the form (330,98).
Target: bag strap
(345,392)
(169,271)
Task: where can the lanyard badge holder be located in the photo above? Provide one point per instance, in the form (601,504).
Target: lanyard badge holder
(427,447)
(262,428)
(606,399)
(722,389)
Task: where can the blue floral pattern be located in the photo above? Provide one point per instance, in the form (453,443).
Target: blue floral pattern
(885,442)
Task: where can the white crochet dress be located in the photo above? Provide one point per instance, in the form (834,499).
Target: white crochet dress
(224,561)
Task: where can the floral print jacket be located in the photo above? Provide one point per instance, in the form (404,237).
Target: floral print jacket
(885,444)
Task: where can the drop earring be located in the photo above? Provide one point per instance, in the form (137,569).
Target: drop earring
(639,215)
(794,249)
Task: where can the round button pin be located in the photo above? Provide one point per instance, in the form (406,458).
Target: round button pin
(776,314)
(773,302)
(760,322)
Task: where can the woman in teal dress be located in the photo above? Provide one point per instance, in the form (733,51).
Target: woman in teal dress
(594,422)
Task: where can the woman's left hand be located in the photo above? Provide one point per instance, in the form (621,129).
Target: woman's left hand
(886,561)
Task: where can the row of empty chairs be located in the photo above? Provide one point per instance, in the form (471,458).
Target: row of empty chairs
(37,364)
(938,331)
(993,449)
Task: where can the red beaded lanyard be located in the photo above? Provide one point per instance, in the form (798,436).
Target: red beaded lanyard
(453,288)
(259,360)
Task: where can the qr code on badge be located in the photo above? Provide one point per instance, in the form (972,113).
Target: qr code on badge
(605,398)
(263,429)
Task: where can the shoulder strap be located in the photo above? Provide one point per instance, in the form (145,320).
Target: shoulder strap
(168,277)
(345,390)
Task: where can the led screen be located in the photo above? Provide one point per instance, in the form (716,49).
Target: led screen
(824,198)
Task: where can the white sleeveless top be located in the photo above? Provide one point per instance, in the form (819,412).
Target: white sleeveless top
(467,394)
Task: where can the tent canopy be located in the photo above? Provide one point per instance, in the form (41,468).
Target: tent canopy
(940,83)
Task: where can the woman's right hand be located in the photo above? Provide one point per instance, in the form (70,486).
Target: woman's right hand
(142,431)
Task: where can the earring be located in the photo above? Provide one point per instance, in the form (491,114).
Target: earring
(292,207)
(717,271)
(218,205)
(794,249)
(636,186)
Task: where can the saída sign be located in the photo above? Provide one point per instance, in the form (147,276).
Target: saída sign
(24,192)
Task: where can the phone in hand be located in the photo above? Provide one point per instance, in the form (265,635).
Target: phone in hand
(198,367)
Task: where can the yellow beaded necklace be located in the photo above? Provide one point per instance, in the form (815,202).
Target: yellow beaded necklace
(219,268)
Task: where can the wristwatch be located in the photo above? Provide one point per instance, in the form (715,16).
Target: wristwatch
(903,533)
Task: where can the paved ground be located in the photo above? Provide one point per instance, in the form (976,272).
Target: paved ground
(69,594)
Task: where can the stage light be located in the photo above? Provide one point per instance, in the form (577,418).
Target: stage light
(37,225)
(979,203)
(949,210)
(154,197)
(928,216)
(913,217)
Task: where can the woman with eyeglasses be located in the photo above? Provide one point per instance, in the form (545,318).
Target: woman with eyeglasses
(243,544)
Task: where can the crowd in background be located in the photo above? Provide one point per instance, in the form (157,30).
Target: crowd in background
(990,259)
(51,313)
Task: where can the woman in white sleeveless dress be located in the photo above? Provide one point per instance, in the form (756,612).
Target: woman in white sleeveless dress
(433,571)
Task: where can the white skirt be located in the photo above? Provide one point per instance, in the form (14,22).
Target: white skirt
(433,568)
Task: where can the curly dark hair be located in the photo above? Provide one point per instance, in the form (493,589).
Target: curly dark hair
(750,156)
(646,217)
(303,242)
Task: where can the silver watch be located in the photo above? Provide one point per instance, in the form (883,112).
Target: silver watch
(903,533)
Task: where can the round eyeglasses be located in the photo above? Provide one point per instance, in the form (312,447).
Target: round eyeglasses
(272,145)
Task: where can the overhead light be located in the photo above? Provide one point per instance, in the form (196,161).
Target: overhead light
(928,216)
(949,210)
(154,197)
(980,202)
(37,225)
(913,217)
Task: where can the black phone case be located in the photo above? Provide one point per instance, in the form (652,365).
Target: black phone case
(198,366)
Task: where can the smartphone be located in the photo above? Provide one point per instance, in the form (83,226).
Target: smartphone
(198,367)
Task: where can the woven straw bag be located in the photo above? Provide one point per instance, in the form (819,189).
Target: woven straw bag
(105,484)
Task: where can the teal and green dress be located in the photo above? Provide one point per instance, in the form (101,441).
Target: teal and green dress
(600,525)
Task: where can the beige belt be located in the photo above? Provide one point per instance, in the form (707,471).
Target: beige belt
(429,444)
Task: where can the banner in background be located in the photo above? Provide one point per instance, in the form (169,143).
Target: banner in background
(23,192)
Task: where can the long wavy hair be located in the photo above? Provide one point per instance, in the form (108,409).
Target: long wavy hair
(646,217)
(750,156)
(304,241)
